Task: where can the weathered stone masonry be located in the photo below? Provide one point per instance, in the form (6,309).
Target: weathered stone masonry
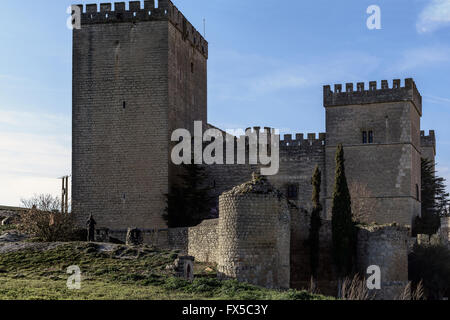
(140,73)
(387,248)
(254,235)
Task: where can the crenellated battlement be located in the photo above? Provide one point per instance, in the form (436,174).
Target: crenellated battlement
(427,140)
(373,94)
(299,140)
(259,130)
(166,10)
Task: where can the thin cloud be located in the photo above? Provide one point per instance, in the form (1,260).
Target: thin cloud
(413,59)
(257,76)
(35,150)
(438,100)
(435,16)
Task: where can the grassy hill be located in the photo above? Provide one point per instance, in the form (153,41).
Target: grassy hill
(117,272)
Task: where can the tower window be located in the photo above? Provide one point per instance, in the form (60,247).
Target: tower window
(124,105)
(367,137)
(192,67)
(292,192)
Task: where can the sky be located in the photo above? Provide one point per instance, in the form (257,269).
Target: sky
(268,62)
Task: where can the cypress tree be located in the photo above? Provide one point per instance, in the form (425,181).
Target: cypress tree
(341,221)
(315,222)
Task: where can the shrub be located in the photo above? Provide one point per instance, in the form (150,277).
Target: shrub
(202,285)
(431,265)
(175,283)
(47,226)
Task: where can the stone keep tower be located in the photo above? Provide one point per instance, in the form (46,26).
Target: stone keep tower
(138,74)
(380,132)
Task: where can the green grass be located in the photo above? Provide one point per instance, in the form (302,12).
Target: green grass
(7,228)
(29,274)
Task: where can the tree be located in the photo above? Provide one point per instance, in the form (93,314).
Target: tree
(431,265)
(343,233)
(43,202)
(315,223)
(188,202)
(434,200)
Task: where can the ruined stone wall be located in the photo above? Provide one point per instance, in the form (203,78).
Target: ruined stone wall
(300,265)
(203,241)
(166,239)
(390,166)
(386,247)
(200,242)
(300,254)
(254,237)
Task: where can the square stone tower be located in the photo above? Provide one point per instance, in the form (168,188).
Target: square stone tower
(138,74)
(380,131)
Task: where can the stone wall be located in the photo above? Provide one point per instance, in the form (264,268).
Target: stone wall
(390,166)
(254,235)
(386,247)
(300,254)
(199,241)
(138,74)
(203,241)
(166,239)
(298,158)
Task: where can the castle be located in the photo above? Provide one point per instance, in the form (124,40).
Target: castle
(140,73)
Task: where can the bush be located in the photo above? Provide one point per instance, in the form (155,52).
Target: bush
(47,226)
(175,283)
(431,265)
(202,285)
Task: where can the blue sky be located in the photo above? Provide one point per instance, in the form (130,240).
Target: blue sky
(268,63)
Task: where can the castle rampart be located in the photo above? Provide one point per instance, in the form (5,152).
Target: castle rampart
(299,140)
(166,10)
(373,95)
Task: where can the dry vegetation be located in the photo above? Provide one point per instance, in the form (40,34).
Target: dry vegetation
(46,226)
